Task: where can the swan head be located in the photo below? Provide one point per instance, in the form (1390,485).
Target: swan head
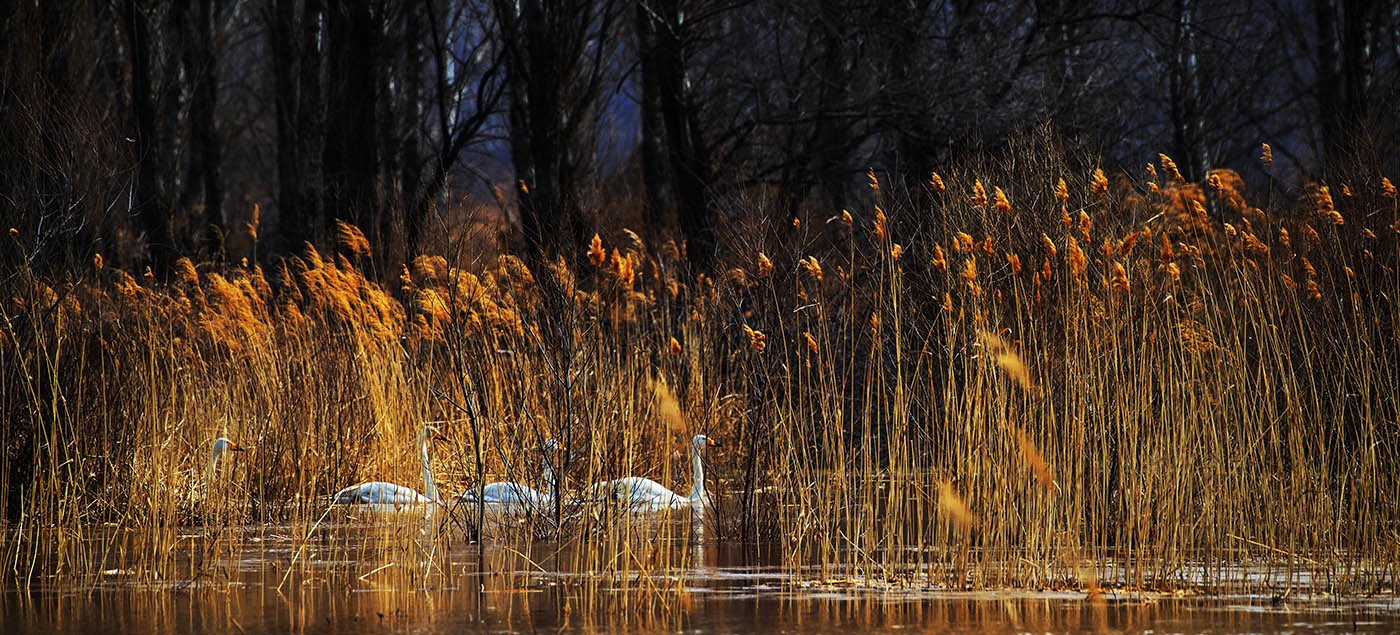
(700,442)
(431,432)
(225,444)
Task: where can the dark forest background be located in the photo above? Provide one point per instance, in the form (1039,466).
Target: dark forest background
(145,130)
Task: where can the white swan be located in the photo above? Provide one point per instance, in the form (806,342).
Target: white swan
(644,492)
(512,493)
(382,493)
(222,445)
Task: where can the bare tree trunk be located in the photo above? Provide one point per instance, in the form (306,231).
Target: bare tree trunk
(1188,122)
(281,19)
(655,178)
(410,160)
(310,121)
(915,148)
(1331,99)
(203,181)
(456,129)
(296,69)
(352,140)
(1343,74)
(685,147)
(539,57)
(830,136)
(557,56)
(147,201)
(549,160)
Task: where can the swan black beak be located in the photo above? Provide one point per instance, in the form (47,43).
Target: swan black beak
(712,443)
(438,436)
(235,447)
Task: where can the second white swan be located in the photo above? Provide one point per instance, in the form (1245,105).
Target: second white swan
(222,445)
(512,493)
(646,493)
(384,493)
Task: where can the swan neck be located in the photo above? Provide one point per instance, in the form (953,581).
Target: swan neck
(549,483)
(697,475)
(429,487)
(213,466)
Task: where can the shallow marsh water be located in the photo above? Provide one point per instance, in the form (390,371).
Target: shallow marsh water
(349,578)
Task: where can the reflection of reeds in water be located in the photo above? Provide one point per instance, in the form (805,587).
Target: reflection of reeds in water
(1172,367)
(559,608)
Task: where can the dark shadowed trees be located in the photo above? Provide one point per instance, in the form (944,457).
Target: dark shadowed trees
(663,38)
(65,122)
(353,87)
(1188,122)
(203,182)
(294,35)
(1356,42)
(464,93)
(148,203)
(153,129)
(558,59)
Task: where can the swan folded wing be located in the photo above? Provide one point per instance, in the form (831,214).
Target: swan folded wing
(379,493)
(636,491)
(504,492)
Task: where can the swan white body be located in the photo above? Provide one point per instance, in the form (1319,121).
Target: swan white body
(506,492)
(644,492)
(512,493)
(380,493)
(384,493)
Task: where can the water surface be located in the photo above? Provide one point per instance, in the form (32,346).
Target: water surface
(351,580)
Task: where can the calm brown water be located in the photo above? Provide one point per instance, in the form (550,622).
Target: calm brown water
(719,606)
(343,583)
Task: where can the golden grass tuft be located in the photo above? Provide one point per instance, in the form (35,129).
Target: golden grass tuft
(1075,258)
(596,254)
(969,270)
(668,408)
(1034,460)
(963,242)
(1014,261)
(757,340)
(1007,358)
(351,239)
(1169,166)
(1119,280)
(952,507)
(1098,183)
(1000,204)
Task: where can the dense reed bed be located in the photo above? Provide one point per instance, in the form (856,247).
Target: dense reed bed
(1022,373)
